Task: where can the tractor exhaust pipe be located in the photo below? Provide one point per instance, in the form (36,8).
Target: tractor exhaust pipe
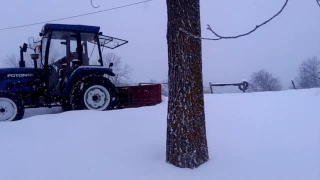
(35,57)
(23,49)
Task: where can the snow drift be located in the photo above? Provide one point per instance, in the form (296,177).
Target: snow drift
(272,135)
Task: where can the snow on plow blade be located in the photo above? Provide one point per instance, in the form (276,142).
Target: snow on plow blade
(138,96)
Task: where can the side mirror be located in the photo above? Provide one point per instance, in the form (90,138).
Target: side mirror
(110,65)
(24,47)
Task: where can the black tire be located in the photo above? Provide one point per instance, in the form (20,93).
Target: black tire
(11,107)
(96,89)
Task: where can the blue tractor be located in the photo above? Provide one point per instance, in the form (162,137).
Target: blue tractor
(68,71)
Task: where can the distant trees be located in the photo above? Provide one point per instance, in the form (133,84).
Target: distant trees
(12,61)
(308,77)
(122,71)
(309,73)
(263,80)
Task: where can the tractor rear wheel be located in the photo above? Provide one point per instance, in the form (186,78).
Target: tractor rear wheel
(94,93)
(11,107)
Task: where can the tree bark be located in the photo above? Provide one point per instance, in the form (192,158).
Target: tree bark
(186,130)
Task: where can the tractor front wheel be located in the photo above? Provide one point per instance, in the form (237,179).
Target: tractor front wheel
(94,93)
(11,107)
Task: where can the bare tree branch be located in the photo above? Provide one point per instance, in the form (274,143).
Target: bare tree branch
(197,37)
(12,61)
(318,1)
(93,5)
(245,34)
(219,37)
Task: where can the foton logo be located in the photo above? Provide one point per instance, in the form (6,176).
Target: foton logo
(19,75)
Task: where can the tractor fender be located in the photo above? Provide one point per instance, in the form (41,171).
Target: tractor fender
(85,71)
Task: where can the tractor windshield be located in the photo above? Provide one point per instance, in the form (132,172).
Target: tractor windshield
(69,46)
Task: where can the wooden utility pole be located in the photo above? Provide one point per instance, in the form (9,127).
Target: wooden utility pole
(186,130)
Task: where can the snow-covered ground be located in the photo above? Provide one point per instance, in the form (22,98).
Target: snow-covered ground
(251,136)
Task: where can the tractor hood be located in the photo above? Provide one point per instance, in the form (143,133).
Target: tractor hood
(17,72)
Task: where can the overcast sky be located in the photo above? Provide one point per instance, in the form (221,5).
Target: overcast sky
(279,47)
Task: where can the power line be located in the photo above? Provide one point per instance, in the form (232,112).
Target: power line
(75,16)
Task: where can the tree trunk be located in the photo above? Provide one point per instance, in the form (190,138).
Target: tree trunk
(186,130)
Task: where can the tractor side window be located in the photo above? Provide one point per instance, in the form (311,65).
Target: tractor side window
(90,49)
(73,45)
(94,54)
(57,50)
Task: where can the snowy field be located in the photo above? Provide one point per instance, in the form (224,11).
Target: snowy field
(257,136)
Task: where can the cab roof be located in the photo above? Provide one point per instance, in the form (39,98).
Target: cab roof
(69,27)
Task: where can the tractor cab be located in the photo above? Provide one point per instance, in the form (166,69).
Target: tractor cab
(76,45)
(64,48)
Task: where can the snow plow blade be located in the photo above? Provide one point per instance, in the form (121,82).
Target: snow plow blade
(139,96)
